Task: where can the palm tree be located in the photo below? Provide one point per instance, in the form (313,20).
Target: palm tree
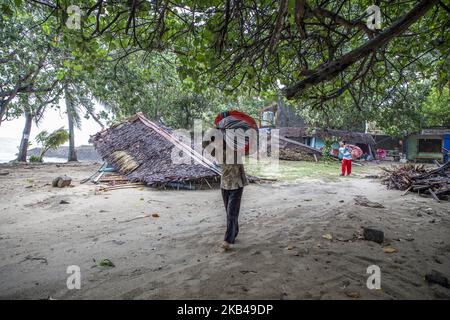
(33,107)
(51,140)
(24,142)
(78,98)
(73,117)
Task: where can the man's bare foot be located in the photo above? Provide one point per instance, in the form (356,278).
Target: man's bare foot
(225,246)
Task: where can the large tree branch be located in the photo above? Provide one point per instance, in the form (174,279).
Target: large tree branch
(300,9)
(278,25)
(223,32)
(323,13)
(24,84)
(444,6)
(29,89)
(330,70)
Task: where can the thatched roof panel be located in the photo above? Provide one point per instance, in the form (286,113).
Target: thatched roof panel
(150,149)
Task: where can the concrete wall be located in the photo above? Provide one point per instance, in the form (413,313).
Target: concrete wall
(286,117)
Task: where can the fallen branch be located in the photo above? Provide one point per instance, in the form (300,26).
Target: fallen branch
(136,218)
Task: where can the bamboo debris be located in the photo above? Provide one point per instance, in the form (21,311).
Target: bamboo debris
(113,179)
(123,186)
(95,174)
(415,178)
(126,162)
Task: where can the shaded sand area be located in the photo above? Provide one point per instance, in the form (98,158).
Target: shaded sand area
(300,238)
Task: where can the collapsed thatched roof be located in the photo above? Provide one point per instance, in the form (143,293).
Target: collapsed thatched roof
(349,136)
(141,150)
(294,150)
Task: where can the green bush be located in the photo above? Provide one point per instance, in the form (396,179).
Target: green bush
(51,140)
(326,151)
(34,158)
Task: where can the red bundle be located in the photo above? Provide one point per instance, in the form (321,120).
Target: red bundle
(234,120)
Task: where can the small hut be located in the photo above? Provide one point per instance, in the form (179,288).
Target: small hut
(141,150)
(429,144)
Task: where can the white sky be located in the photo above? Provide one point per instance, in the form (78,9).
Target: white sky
(53,119)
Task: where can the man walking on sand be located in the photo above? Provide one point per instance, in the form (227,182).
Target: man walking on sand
(346,165)
(232,185)
(233,178)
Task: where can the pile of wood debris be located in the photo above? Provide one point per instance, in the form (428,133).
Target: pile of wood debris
(113,179)
(415,178)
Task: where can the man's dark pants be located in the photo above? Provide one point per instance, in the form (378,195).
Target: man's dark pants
(232,202)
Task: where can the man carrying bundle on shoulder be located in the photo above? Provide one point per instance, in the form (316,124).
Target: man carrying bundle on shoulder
(233,177)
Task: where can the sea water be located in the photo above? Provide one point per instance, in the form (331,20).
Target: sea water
(9,147)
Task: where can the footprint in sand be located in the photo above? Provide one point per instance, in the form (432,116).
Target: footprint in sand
(268,255)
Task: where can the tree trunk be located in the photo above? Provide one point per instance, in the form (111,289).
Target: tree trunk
(25,137)
(69,108)
(2,110)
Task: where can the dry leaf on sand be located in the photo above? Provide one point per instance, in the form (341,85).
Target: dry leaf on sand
(327,236)
(354,295)
(389,250)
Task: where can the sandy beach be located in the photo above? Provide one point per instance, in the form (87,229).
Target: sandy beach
(298,239)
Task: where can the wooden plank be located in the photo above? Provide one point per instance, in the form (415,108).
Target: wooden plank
(94,174)
(124,186)
(443,191)
(406,191)
(434,195)
(113,180)
(437,163)
(98,177)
